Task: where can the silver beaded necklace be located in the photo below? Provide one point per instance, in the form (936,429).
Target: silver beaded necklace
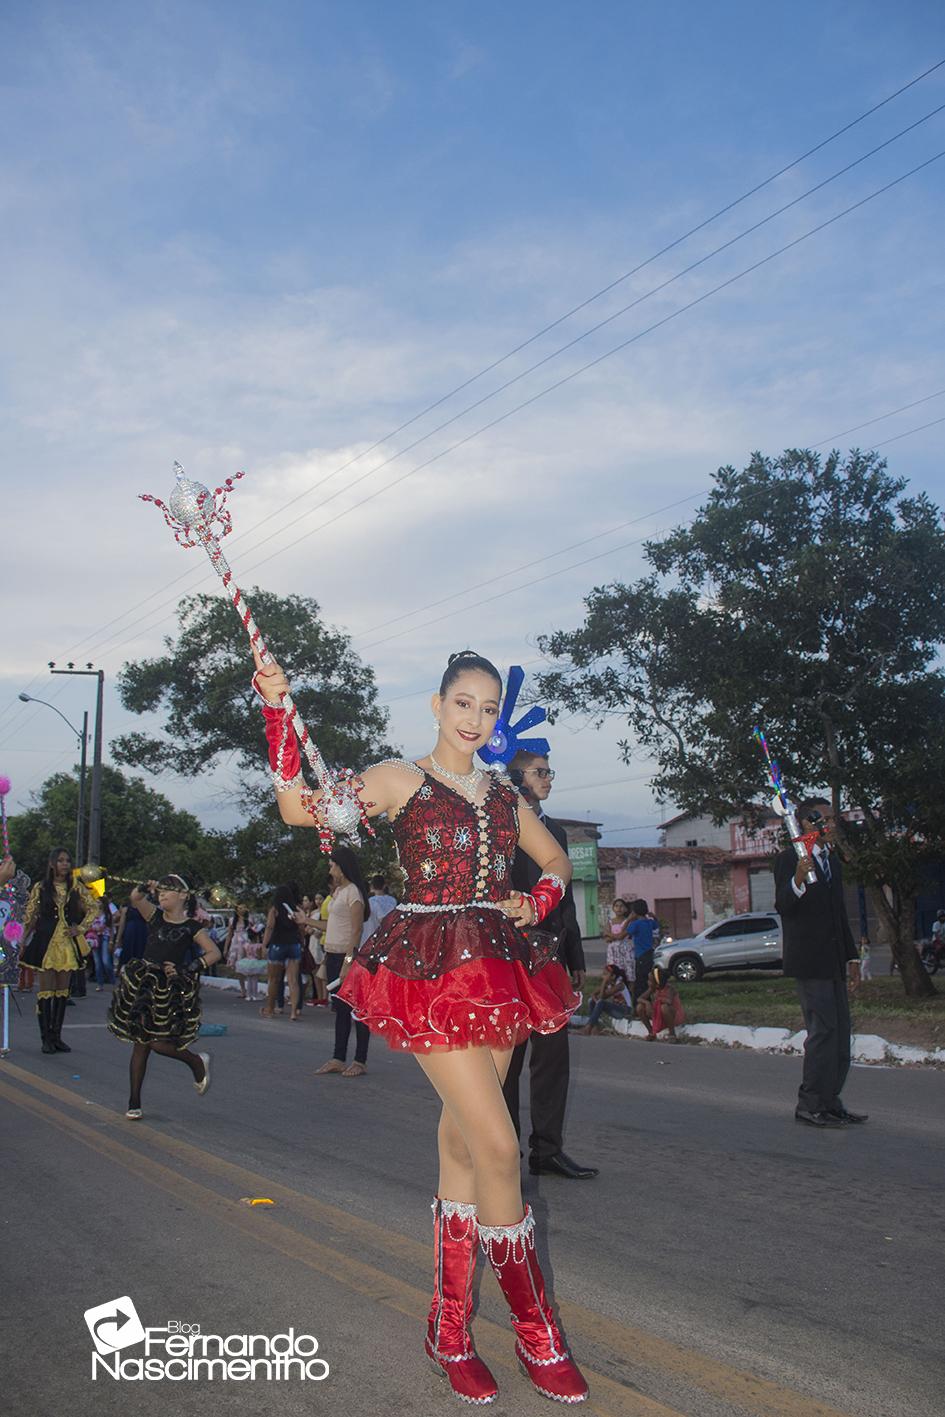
(467,782)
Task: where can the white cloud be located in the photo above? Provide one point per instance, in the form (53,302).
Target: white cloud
(116,363)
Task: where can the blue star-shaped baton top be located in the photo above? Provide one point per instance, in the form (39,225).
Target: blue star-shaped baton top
(507,738)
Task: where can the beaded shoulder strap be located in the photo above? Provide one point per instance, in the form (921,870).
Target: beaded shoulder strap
(400,763)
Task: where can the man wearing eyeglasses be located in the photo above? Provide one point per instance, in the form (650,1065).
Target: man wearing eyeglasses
(549,1059)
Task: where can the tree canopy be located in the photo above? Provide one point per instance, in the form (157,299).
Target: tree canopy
(143,834)
(144,837)
(807,595)
(202,684)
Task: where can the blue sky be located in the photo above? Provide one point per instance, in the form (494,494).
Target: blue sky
(266,236)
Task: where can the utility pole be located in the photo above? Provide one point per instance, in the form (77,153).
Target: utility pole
(95,806)
(80,819)
(83,739)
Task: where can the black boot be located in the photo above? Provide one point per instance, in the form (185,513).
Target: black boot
(59,1013)
(44,1014)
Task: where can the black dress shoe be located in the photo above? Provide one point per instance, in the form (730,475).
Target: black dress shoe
(817,1119)
(848,1118)
(561,1165)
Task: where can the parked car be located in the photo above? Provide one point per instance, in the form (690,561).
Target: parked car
(750,941)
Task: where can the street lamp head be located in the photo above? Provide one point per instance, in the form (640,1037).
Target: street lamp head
(26,698)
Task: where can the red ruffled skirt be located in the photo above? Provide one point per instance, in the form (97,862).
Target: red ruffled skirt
(490,996)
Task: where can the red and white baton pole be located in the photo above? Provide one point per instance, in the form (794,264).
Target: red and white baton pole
(199,517)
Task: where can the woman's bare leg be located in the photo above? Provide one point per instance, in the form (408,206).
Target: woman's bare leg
(292,988)
(476,1125)
(274,974)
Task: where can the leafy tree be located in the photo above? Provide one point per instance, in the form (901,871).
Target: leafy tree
(807,595)
(142,832)
(202,684)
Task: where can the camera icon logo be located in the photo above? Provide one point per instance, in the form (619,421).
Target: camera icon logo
(114,1325)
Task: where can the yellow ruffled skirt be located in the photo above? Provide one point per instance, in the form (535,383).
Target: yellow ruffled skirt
(62,953)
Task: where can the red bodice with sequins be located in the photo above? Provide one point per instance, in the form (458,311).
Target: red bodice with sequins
(446,968)
(456,852)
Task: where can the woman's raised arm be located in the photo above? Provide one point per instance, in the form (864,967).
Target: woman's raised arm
(378,787)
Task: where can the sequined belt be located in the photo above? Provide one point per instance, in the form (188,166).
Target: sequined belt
(416,909)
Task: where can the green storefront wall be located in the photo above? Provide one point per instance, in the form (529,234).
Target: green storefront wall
(584,881)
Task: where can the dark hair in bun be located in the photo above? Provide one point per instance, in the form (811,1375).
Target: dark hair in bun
(462,660)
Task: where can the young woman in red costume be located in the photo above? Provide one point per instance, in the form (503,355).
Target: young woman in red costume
(450,976)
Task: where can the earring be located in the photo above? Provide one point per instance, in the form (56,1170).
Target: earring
(436,723)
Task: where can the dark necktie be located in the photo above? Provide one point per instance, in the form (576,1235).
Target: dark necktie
(825,866)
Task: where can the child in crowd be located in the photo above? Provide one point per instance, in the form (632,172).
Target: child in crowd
(865,952)
(611,998)
(660,1006)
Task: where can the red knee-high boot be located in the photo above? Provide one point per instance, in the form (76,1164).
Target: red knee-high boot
(540,1348)
(448,1342)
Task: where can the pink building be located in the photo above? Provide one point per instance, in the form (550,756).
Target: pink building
(686,887)
(703,871)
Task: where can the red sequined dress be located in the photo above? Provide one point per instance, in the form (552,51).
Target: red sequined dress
(446,968)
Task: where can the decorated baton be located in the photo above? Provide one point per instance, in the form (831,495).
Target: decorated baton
(4,789)
(198,516)
(783,806)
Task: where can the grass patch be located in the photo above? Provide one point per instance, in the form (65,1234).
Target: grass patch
(762,1000)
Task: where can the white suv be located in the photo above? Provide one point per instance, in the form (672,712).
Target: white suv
(738,942)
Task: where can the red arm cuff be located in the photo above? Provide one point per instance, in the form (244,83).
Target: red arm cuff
(285,760)
(547,895)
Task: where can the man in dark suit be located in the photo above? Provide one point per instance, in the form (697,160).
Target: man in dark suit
(820,954)
(549,1060)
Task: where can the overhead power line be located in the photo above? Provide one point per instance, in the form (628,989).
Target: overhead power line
(700,226)
(903,408)
(632,521)
(575,373)
(575,565)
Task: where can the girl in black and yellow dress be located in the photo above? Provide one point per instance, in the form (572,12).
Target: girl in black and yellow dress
(156,1006)
(58,913)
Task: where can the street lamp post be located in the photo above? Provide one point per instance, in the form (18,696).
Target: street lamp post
(83,739)
(95,807)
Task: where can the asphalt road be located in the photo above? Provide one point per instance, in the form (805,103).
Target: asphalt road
(726,1261)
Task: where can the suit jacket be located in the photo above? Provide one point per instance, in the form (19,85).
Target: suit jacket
(563,919)
(817,936)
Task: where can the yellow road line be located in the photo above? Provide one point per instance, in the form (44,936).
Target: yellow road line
(608,1398)
(735,1386)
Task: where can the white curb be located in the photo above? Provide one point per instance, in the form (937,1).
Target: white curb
(866,1047)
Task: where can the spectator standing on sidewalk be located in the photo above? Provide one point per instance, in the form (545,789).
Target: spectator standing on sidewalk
(380,903)
(349,907)
(549,1058)
(640,932)
(866,970)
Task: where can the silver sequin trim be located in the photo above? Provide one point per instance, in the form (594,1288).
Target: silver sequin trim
(417,909)
(515,1238)
(283,784)
(555,881)
(463,1209)
(546,1363)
